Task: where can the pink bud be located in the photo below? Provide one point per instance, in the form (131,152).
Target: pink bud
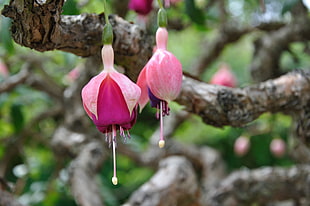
(162,75)
(224,77)
(4,72)
(72,75)
(161,79)
(277,147)
(242,145)
(142,7)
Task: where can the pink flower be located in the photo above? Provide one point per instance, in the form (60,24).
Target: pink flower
(72,75)
(142,7)
(161,79)
(277,147)
(110,100)
(242,145)
(4,72)
(224,77)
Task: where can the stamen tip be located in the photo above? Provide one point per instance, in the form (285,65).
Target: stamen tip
(114,180)
(161,143)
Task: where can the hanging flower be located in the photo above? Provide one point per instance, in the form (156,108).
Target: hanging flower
(224,77)
(110,100)
(161,79)
(142,7)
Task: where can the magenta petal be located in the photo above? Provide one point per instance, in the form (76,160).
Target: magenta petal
(90,94)
(142,7)
(131,92)
(164,75)
(111,106)
(141,82)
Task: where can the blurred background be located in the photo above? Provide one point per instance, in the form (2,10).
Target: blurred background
(37,176)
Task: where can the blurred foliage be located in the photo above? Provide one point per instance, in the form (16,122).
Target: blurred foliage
(34,169)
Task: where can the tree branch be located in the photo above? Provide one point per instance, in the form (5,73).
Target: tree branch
(269,48)
(83,172)
(219,106)
(15,80)
(41,27)
(175,183)
(227,34)
(262,186)
(7,199)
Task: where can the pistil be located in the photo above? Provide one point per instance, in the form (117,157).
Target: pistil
(114,178)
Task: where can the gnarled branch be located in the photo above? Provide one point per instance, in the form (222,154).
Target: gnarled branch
(219,106)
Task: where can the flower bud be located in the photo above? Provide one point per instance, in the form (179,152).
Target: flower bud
(224,77)
(242,145)
(277,147)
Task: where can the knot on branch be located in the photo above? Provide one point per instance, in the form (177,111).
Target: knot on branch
(33,24)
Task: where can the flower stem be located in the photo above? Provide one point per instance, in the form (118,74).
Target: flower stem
(160,4)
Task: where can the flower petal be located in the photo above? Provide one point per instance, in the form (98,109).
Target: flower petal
(131,92)
(111,105)
(164,75)
(90,94)
(141,82)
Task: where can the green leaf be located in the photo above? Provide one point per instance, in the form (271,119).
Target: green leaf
(5,35)
(288,5)
(70,8)
(17,117)
(195,14)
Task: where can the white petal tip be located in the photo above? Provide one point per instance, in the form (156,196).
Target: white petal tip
(161,143)
(114,180)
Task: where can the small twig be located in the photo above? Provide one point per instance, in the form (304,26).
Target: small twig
(16,79)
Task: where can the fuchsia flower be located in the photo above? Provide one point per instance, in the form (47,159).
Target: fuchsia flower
(110,100)
(224,77)
(161,79)
(142,7)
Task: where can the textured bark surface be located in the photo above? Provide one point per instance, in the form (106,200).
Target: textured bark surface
(262,186)
(219,106)
(43,28)
(174,183)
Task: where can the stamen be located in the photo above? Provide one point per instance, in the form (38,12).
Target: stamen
(161,142)
(158,111)
(114,178)
(128,134)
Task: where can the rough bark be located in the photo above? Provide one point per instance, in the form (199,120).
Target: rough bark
(262,186)
(83,172)
(219,106)
(175,183)
(41,27)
